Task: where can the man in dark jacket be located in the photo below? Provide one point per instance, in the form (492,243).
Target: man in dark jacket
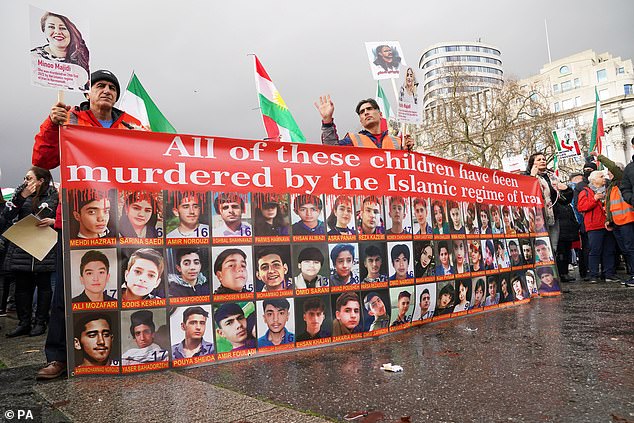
(98,111)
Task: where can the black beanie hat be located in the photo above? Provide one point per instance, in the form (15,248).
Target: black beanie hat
(105,75)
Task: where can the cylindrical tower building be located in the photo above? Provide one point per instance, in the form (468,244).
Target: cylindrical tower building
(477,65)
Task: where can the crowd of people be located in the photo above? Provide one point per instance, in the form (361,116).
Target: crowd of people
(591,217)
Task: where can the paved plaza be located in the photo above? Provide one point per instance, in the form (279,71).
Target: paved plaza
(562,359)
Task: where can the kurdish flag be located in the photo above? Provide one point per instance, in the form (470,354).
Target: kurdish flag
(598,134)
(278,121)
(137,102)
(384,105)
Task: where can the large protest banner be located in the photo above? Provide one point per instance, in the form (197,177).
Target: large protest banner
(184,249)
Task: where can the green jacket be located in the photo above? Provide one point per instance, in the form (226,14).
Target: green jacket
(616,180)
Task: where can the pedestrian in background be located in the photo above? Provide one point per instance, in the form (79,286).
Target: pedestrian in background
(600,237)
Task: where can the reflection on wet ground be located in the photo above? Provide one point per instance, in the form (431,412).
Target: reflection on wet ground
(568,358)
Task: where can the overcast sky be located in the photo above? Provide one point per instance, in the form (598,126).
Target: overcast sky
(192,56)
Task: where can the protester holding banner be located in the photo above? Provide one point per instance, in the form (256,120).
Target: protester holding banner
(98,111)
(619,214)
(627,184)
(602,243)
(553,192)
(370,118)
(37,195)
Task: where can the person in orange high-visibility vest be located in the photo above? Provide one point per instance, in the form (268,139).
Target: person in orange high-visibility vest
(370,136)
(619,215)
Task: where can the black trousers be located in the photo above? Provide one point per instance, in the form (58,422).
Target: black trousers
(55,347)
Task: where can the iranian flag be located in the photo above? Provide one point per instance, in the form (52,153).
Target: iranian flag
(136,102)
(278,121)
(384,105)
(598,134)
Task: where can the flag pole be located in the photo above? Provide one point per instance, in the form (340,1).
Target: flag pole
(396,98)
(547,41)
(127,86)
(395,90)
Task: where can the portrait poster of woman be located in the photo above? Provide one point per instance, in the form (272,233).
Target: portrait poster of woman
(409,108)
(59,51)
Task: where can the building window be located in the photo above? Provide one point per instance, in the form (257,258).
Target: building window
(567,104)
(620,70)
(556,107)
(581,120)
(569,123)
(564,70)
(602,75)
(577,101)
(577,82)
(603,94)
(555,88)
(566,86)
(627,88)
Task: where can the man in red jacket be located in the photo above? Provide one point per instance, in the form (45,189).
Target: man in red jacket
(602,243)
(98,111)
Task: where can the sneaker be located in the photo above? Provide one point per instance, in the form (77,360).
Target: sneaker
(52,370)
(3,313)
(593,280)
(630,283)
(612,279)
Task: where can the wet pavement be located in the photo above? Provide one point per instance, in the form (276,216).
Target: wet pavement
(562,359)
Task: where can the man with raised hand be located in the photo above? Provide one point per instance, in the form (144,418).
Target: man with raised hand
(371,136)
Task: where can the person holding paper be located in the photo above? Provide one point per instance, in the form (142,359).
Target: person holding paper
(370,118)
(97,111)
(37,195)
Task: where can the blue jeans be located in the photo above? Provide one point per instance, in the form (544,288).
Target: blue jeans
(625,237)
(602,250)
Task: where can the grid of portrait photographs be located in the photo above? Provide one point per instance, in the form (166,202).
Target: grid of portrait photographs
(173,279)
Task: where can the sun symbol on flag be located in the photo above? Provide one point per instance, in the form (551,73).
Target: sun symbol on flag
(279,100)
